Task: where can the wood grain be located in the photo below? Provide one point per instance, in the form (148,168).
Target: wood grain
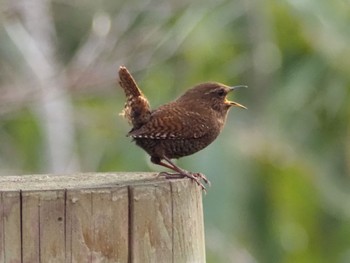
(188,222)
(151,223)
(11,227)
(110,217)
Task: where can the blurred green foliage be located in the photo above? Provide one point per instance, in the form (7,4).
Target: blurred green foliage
(279,171)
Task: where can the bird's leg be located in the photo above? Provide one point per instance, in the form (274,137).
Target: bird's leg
(181,172)
(176,168)
(167,174)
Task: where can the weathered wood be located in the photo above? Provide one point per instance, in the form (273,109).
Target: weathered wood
(114,217)
(97,225)
(30,227)
(188,222)
(2,236)
(10,223)
(151,223)
(52,228)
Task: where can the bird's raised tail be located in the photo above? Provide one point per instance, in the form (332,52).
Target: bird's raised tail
(137,109)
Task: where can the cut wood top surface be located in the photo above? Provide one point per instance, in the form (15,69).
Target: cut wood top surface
(76,181)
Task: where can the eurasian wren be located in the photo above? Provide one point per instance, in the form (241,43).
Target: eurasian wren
(179,128)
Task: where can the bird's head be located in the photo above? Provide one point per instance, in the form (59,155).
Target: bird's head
(213,95)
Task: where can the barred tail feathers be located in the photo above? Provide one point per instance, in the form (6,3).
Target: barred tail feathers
(137,109)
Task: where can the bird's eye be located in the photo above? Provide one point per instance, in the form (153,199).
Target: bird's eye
(221,92)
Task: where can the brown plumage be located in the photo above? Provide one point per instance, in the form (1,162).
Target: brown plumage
(137,110)
(179,128)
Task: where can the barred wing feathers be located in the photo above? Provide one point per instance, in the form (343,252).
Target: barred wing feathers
(169,122)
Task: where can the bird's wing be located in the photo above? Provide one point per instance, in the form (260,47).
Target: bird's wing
(173,123)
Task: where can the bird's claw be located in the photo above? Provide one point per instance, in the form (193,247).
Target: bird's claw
(197,177)
(202,177)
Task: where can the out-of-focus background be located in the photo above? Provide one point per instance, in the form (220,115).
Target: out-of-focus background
(279,171)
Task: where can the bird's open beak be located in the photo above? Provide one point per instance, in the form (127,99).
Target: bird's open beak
(235,104)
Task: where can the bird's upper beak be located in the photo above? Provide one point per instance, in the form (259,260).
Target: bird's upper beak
(235,104)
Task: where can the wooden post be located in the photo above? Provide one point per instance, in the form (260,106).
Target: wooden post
(102,217)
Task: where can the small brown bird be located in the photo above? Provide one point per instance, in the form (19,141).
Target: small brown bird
(179,128)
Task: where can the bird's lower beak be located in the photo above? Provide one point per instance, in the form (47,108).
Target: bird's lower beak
(235,104)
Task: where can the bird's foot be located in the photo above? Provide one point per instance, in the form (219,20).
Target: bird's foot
(202,177)
(197,177)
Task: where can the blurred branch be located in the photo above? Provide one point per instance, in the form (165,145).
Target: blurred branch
(34,39)
(144,47)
